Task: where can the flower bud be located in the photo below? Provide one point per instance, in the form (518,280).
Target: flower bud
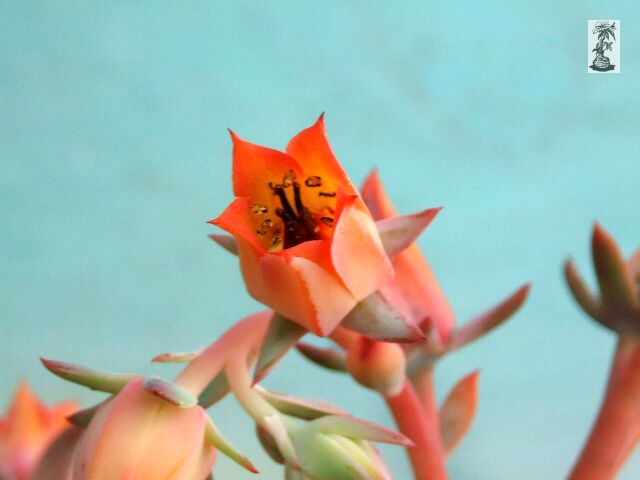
(27,430)
(377,365)
(137,435)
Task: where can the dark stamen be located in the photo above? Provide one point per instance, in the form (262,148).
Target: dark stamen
(279,191)
(327,194)
(297,198)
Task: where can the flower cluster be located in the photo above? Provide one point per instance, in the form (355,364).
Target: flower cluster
(336,262)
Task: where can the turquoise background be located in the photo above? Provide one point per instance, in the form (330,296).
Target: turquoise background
(115,153)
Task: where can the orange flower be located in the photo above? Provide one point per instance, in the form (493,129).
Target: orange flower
(414,289)
(27,430)
(308,246)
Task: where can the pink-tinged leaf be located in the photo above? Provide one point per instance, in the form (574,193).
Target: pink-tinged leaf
(634,264)
(375,318)
(618,288)
(214,437)
(282,335)
(581,292)
(274,425)
(299,407)
(269,444)
(215,390)
(489,320)
(397,233)
(325,357)
(228,242)
(177,357)
(355,428)
(170,392)
(93,379)
(83,417)
(458,411)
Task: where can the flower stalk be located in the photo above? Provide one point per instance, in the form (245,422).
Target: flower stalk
(417,418)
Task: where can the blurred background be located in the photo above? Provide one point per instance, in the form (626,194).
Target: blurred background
(114,154)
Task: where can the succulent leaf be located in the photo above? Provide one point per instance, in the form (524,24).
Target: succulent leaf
(216,439)
(304,408)
(397,233)
(228,242)
(352,427)
(375,318)
(325,357)
(87,377)
(618,288)
(177,357)
(282,335)
(170,392)
(215,391)
(489,320)
(581,292)
(458,411)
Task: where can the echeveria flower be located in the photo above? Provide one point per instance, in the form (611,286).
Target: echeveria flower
(26,431)
(308,246)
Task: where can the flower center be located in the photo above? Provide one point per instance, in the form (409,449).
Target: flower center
(295,223)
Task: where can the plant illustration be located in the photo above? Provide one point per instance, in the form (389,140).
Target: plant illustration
(605,32)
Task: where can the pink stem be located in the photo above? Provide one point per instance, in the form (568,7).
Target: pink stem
(418,420)
(617,428)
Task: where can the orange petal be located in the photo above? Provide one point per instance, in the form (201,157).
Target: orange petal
(356,250)
(237,221)
(312,151)
(304,292)
(255,166)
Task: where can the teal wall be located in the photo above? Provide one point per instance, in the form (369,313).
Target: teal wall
(114,154)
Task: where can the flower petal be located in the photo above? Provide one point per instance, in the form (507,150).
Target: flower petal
(356,250)
(237,221)
(297,288)
(255,166)
(313,153)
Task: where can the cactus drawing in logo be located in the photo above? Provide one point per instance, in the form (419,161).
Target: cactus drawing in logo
(606,37)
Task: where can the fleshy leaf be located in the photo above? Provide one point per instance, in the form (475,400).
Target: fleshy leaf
(299,407)
(83,417)
(278,430)
(489,320)
(458,411)
(216,439)
(177,357)
(397,233)
(93,379)
(580,291)
(269,444)
(325,357)
(170,392)
(634,264)
(282,335)
(228,242)
(617,285)
(352,427)
(215,391)
(375,318)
